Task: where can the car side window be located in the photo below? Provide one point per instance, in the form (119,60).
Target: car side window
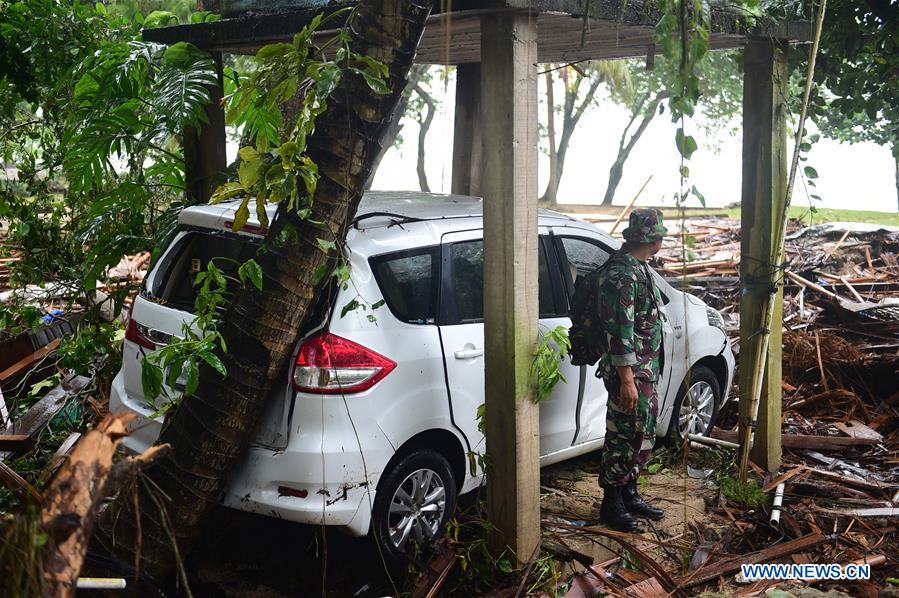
(466,283)
(408,281)
(580,258)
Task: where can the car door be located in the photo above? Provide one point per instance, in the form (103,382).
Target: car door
(579,254)
(462,334)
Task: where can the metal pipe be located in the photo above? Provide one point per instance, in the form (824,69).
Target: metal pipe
(778,501)
(100,583)
(713,441)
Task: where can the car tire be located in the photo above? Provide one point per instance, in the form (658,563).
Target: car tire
(690,406)
(414,502)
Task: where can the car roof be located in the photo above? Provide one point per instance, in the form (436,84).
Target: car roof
(377,209)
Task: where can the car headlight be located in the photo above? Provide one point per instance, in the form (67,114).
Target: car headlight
(714,317)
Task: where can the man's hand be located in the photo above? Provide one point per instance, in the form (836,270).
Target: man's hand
(628,395)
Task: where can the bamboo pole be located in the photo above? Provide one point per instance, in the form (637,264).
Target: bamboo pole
(777,262)
(629,206)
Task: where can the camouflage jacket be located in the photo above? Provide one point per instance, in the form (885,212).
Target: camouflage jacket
(629,310)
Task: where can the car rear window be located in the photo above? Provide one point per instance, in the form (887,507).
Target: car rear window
(172,280)
(408,281)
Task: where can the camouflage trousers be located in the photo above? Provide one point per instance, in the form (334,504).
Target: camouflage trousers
(630,436)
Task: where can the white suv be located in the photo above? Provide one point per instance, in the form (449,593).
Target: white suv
(375,425)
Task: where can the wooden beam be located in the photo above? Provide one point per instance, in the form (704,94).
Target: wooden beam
(28,361)
(204,148)
(467,131)
(764,193)
(16,443)
(509,185)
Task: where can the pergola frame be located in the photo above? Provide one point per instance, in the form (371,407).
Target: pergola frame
(497,45)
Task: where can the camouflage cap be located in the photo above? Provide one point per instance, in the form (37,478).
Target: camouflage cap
(645,226)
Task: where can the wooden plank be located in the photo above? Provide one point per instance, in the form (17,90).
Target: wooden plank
(16,443)
(763,197)
(18,485)
(728,566)
(509,125)
(28,361)
(467,149)
(806,441)
(44,410)
(59,456)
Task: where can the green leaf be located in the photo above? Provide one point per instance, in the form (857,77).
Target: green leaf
(686,145)
(504,565)
(698,195)
(151,379)
(810,172)
(250,269)
(241,216)
(225,192)
(192,378)
(377,304)
(248,173)
(250,154)
(351,306)
(326,245)
(214,362)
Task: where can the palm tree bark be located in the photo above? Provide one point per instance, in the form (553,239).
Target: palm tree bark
(625,146)
(211,429)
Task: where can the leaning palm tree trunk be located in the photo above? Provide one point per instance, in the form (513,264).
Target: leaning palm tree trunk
(212,427)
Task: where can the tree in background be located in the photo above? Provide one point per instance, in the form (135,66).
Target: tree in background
(721,88)
(580,82)
(858,74)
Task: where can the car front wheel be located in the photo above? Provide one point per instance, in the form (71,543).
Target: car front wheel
(415,499)
(696,405)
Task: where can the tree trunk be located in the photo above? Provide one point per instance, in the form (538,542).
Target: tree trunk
(571,116)
(549,197)
(626,145)
(424,125)
(396,120)
(896,161)
(211,429)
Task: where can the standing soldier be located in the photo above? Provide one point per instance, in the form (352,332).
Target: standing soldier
(630,317)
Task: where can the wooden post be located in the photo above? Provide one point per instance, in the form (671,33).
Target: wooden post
(204,149)
(764,193)
(467,131)
(509,184)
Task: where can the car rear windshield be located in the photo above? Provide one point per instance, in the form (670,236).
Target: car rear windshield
(172,281)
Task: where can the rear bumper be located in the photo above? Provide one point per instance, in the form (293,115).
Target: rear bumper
(323,462)
(144,429)
(323,466)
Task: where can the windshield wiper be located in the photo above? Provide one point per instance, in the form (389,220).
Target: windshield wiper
(395,219)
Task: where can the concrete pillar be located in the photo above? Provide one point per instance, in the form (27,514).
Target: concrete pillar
(509,186)
(467,131)
(764,194)
(204,148)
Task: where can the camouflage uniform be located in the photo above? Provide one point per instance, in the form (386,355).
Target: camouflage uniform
(629,310)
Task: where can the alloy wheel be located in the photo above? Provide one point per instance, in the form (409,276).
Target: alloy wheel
(417,508)
(696,409)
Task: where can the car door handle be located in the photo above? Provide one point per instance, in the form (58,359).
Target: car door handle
(468,353)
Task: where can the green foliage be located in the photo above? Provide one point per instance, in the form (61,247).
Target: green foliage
(276,171)
(551,350)
(747,494)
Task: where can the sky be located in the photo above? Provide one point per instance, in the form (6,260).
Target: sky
(859,176)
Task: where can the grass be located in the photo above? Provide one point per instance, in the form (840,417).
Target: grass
(831,215)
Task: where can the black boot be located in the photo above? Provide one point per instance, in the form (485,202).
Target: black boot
(635,504)
(613,513)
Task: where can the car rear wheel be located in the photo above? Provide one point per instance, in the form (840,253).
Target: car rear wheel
(696,405)
(415,499)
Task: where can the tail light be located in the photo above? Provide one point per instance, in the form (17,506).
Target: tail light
(329,364)
(133,332)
